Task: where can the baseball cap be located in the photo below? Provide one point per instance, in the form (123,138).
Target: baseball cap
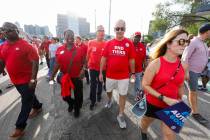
(137,33)
(204,28)
(9,26)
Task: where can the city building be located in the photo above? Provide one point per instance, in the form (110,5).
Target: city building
(84,27)
(70,21)
(35,30)
(62,25)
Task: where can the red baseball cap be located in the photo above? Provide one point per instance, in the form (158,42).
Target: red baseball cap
(137,33)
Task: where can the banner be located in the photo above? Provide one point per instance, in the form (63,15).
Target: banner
(140,107)
(174,116)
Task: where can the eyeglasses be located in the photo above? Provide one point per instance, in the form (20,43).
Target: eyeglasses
(182,42)
(120,28)
(100,31)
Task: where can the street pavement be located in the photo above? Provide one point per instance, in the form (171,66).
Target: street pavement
(55,123)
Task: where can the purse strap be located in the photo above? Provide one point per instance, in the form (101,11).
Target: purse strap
(71,60)
(172,77)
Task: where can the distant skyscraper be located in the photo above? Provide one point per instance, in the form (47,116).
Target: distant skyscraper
(62,25)
(37,30)
(79,25)
(73,23)
(84,27)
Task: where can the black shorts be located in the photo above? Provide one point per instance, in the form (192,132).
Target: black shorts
(151,109)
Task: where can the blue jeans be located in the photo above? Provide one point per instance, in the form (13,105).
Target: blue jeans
(137,85)
(29,101)
(52,64)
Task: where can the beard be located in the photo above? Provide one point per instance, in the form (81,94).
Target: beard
(12,37)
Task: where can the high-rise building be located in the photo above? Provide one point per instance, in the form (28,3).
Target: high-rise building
(79,25)
(84,27)
(62,25)
(73,23)
(37,30)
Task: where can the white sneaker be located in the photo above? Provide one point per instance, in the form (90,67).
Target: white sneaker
(121,121)
(108,104)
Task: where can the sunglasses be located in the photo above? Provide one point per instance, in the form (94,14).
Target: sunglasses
(182,42)
(119,28)
(100,31)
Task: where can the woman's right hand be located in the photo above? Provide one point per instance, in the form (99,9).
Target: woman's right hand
(170,101)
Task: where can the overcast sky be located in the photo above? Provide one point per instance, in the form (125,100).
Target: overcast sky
(136,13)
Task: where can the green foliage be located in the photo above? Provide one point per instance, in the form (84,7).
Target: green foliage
(165,17)
(148,38)
(193,28)
(160,24)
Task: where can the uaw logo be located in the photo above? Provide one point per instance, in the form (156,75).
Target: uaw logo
(62,52)
(127,45)
(177,117)
(17,49)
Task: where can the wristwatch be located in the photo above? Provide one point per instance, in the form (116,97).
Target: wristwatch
(160,97)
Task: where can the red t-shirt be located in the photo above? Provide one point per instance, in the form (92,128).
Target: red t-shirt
(118,54)
(63,57)
(83,46)
(140,57)
(18,59)
(94,54)
(45,46)
(171,90)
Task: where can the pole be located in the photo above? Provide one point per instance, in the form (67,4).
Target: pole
(110,4)
(95,18)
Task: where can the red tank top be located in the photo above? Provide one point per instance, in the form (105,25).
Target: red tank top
(166,71)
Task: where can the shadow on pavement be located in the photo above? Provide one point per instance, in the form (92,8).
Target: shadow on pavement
(102,126)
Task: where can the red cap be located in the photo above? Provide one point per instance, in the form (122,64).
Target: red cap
(137,33)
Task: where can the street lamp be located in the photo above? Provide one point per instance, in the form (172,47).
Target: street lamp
(110,3)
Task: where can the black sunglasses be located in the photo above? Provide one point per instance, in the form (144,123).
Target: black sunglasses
(182,42)
(120,28)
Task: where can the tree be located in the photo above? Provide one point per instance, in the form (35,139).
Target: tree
(165,18)
(147,38)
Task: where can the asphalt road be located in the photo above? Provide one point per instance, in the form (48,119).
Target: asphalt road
(55,123)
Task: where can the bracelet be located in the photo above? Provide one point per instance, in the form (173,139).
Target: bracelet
(133,73)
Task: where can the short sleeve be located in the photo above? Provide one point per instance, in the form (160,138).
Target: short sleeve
(32,53)
(105,50)
(1,56)
(131,53)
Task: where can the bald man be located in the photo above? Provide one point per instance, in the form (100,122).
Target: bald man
(118,55)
